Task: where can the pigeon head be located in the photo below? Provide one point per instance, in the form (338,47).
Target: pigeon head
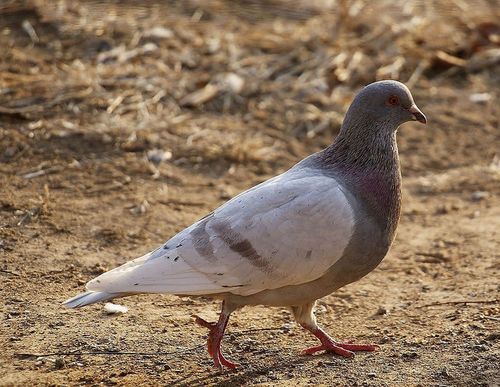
(386,103)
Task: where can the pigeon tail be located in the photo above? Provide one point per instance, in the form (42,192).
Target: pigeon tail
(88,298)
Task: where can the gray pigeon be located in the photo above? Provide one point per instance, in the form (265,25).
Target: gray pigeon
(297,237)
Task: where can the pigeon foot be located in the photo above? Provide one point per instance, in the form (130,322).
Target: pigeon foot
(216,332)
(329,345)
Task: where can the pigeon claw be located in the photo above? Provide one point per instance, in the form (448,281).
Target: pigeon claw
(216,331)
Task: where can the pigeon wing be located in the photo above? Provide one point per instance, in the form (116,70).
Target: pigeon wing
(286,231)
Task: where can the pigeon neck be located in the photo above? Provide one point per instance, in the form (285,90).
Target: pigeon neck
(370,166)
(365,147)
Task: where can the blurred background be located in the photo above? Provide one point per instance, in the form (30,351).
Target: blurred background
(122,122)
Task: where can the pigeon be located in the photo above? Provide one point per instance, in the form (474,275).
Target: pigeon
(299,236)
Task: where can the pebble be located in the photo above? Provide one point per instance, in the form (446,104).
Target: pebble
(493,336)
(111,308)
(385,340)
(479,195)
(156,156)
(10,151)
(444,372)
(232,82)
(320,309)
(287,327)
(159,33)
(480,97)
(409,355)
(59,363)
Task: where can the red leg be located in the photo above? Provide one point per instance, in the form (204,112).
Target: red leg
(216,332)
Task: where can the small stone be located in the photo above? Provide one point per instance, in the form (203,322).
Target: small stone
(232,82)
(159,33)
(480,97)
(475,214)
(59,363)
(225,195)
(479,195)
(385,339)
(409,355)
(287,327)
(381,311)
(10,151)
(444,372)
(493,336)
(439,244)
(111,308)
(156,156)
(320,309)
(98,269)
(371,375)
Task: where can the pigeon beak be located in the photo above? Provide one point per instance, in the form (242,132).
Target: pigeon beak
(417,114)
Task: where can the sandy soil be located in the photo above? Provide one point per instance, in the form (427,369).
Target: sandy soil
(83,189)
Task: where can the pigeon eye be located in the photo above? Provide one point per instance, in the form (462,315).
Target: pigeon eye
(393,100)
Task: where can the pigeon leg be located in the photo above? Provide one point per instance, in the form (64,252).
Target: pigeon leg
(305,317)
(216,332)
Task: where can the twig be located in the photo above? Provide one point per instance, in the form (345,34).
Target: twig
(28,28)
(460,302)
(34,212)
(491,318)
(27,355)
(114,185)
(422,66)
(433,257)
(430,254)
(40,107)
(171,202)
(241,333)
(42,172)
(10,272)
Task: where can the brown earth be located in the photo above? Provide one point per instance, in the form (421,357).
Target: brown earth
(122,124)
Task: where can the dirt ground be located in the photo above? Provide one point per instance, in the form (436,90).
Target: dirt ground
(122,124)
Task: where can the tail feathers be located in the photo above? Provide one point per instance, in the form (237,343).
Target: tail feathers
(88,298)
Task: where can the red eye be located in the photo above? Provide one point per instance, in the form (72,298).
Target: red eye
(393,100)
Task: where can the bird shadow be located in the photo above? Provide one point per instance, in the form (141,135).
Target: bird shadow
(246,372)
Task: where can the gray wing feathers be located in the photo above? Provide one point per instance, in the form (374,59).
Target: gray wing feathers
(285,231)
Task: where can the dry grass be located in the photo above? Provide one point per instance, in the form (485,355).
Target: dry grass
(229,80)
